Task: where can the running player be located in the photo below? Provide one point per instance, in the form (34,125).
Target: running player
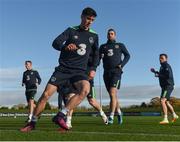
(76,44)
(111,54)
(166,81)
(31,79)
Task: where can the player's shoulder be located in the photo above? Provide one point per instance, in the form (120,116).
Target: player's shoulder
(103,45)
(74,28)
(93,31)
(120,44)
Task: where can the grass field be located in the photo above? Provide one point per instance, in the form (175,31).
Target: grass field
(91,129)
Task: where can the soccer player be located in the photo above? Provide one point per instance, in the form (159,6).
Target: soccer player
(31,79)
(75,43)
(166,81)
(111,54)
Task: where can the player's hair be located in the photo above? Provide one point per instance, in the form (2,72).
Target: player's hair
(163,54)
(109,30)
(89,12)
(28,61)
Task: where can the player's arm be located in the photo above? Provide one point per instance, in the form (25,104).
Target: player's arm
(95,58)
(58,43)
(38,78)
(126,56)
(156,73)
(23,79)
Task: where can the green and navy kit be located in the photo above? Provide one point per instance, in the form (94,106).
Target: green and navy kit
(111,54)
(30,78)
(166,80)
(165,75)
(87,43)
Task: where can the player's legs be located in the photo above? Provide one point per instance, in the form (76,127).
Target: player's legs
(119,113)
(48,92)
(165,111)
(70,112)
(31,109)
(113,103)
(94,103)
(170,107)
(83,87)
(30,100)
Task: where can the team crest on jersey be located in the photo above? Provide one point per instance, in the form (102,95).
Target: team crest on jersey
(75,37)
(91,40)
(116,46)
(53,79)
(31,73)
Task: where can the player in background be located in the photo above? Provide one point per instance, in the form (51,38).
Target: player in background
(166,81)
(111,54)
(31,79)
(75,43)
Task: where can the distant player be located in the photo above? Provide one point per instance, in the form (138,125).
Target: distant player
(31,79)
(111,54)
(75,43)
(166,81)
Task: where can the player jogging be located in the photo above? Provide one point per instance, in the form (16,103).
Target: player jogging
(111,54)
(31,79)
(166,81)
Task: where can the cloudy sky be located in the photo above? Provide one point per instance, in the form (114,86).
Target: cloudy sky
(146,27)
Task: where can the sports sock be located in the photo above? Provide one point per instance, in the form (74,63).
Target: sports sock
(64,111)
(119,111)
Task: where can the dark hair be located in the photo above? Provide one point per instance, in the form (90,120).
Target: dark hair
(163,54)
(111,30)
(28,61)
(89,12)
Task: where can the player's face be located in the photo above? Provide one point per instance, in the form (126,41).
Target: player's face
(86,21)
(162,59)
(28,66)
(111,35)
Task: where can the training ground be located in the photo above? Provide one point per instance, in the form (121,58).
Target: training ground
(89,128)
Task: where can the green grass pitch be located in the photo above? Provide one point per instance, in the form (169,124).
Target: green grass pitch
(87,128)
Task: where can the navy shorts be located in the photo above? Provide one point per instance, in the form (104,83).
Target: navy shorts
(112,78)
(62,75)
(166,92)
(30,94)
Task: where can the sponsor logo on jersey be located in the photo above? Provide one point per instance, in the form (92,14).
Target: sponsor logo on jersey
(53,79)
(91,40)
(75,37)
(116,46)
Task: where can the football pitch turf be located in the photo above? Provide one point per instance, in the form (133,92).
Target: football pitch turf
(88,128)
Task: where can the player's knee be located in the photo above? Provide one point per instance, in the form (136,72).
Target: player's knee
(46,95)
(91,101)
(163,101)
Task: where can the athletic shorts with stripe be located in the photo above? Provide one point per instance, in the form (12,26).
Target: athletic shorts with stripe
(30,94)
(112,78)
(166,92)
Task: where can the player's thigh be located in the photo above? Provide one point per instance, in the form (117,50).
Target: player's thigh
(49,90)
(83,87)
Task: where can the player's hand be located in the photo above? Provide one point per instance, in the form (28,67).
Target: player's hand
(119,66)
(153,70)
(92,74)
(71,47)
